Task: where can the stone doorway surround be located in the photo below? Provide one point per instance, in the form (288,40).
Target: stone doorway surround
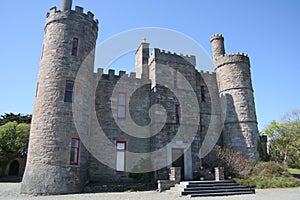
(188,172)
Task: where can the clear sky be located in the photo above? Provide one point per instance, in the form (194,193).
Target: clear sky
(266,30)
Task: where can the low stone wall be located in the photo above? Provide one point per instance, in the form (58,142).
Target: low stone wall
(174,177)
(165,185)
(219,173)
(118,187)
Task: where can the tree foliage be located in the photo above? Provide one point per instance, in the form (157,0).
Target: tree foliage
(14,139)
(19,118)
(284,139)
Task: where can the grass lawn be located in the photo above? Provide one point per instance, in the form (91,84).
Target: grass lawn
(294,171)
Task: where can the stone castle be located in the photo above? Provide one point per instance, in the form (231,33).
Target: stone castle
(167,113)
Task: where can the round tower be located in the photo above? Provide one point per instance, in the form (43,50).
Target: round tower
(217,45)
(57,160)
(240,132)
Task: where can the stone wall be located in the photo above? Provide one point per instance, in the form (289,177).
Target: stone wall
(137,109)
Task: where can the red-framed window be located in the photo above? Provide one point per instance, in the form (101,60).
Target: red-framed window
(75,46)
(74,153)
(121,105)
(177,113)
(121,156)
(69,91)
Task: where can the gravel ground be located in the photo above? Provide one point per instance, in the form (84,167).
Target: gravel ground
(10,191)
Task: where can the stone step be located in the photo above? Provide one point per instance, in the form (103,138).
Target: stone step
(204,182)
(221,194)
(177,187)
(213,188)
(215,191)
(211,185)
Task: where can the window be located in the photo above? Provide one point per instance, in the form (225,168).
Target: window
(69,91)
(121,106)
(202,93)
(121,156)
(37,89)
(74,154)
(177,113)
(75,47)
(201,125)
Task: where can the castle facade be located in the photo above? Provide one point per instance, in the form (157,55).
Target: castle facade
(98,127)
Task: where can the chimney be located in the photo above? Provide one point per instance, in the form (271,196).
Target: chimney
(66,5)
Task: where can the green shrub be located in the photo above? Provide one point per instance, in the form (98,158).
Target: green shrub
(235,165)
(258,175)
(270,169)
(145,177)
(262,182)
(269,175)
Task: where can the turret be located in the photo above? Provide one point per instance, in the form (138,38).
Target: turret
(240,132)
(141,60)
(217,45)
(57,159)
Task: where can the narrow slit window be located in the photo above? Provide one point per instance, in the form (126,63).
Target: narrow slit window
(121,156)
(69,91)
(74,154)
(75,47)
(177,113)
(202,93)
(43,51)
(175,79)
(37,89)
(121,106)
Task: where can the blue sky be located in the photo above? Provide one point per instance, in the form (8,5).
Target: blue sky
(266,30)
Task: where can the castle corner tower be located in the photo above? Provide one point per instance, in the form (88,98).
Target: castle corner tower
(141,60)
(240,132)
(57,160)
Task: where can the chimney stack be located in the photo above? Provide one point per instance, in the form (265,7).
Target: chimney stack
(66,5)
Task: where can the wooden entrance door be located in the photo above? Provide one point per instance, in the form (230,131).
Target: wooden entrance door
(178,153)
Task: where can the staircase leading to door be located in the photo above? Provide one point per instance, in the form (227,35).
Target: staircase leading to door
(211,188)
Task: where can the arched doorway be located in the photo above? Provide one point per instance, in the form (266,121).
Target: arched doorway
(14,168)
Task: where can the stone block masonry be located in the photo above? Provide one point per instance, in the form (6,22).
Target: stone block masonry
(49,170)
(62,160)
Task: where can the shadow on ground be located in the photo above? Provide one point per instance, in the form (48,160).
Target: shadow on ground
(11,179)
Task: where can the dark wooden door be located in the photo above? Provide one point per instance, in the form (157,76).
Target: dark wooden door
(14,168)
(179,162)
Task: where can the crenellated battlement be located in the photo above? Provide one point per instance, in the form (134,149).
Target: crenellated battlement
(237,54)
(232,58)
(78,11)
(207,72)
(167,56)
(112,75)
(216,36)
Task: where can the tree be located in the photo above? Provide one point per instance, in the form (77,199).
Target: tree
(19,118)
(14,139)
(284,139)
